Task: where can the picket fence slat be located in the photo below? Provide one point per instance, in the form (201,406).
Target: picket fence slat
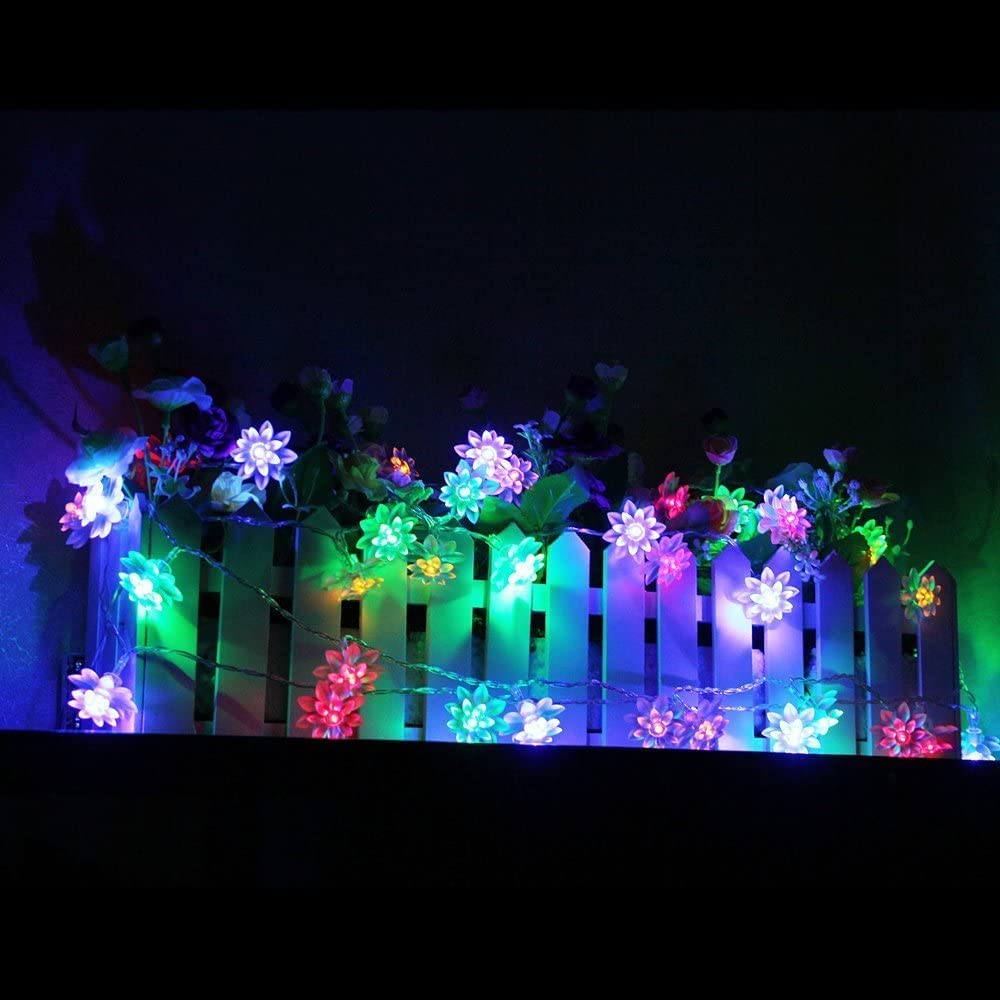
(783,651)
(244,632)
(449,635)
(835,648)
(884,666)
(315,554)
(508,624)
(168,682)
(937,656)
(108,651)
(566,631)
(383,625)
(732,636)
(677,631)
(624,644)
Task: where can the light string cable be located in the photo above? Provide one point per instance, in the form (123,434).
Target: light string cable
(625,695)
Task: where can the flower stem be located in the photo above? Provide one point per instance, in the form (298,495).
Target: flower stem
(127,385)
(718,478)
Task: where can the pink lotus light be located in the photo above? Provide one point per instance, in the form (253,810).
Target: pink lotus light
(782,516)
(486,449)
(356,667)
(100,699)
(667,559)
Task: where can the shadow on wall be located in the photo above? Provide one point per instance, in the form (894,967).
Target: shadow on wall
(83,295)
(80,296)
(59,581)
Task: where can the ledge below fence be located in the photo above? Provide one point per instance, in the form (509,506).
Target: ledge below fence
(169,810)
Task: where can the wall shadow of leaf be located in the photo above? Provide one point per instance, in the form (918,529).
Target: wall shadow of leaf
(61,581)
(83,296)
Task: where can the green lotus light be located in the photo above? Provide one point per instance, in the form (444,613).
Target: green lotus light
(148,582)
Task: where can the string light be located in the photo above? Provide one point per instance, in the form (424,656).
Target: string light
(623,695)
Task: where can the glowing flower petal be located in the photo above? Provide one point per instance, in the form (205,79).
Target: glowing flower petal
(263,454)
(766,599)
(100,699)
(633,531)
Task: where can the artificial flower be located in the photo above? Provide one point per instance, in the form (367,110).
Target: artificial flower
(112,355)
(353,578)
(516,564)
(331,712)
(212,431)
(316,382)
(357,668)
(466,488)
(705,724)
(72,521)
(476,717)
(149,583)
(672,498)
(263,454)
(921,595)
(667,559)
(359,471)
(174,460)
(101,699)
(735,501)
(535,723)
(514,476)
(486,450)
(792,731)
(782,517)
(633,531)
(874,534)
(904,733)
(720,449)
(807,563)
(101,507)
(975,745)
(170,394)
(400,469)
(611,376)
(231,493)
(104,455)
(388,533)
(838,457)
(768,597)
(436,560)
(708,515)
(654,724)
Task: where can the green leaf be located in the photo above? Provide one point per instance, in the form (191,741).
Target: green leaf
(496,514)
(546,507)
(314,477)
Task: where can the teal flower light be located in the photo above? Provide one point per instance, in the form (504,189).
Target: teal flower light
(148,583)
(514,565)
(466,489)
(388,534)
(476,717)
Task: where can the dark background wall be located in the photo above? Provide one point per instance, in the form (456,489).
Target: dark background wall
(822,276)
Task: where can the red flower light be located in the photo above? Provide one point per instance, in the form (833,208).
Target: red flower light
(156,460)
(673,498)
(332,712)
(904,734)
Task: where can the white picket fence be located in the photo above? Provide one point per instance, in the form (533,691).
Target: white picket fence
(165,690)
